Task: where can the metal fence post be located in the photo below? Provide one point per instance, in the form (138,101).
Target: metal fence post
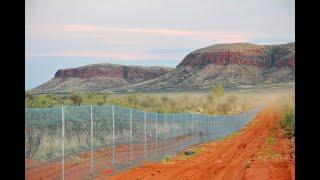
(165,127)
(212,131)
(181,132)
(197,130)
(91,131)
(63,136)
(113,148)
(156,134)
(211,127)
(187,126)
(174,134)
(131,136)
(192,129)
(145,135)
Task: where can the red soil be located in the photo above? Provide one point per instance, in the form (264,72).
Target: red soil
(78,166)
(249,154)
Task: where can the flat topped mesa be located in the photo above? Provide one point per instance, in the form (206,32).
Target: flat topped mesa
(97,77)
(282,55)
(130,73)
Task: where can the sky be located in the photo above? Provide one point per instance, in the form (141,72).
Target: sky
(71,33)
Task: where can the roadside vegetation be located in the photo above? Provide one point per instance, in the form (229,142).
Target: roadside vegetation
(215,101)
(288,121)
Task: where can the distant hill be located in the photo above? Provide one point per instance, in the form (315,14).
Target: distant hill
(98,77)
(234,65)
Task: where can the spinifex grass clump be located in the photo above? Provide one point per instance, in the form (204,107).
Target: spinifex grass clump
(43,144)
(288,122)
(166,158)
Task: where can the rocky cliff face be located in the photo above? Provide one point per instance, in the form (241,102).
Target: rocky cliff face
(234,65)
(98,77)
(261,56)
(128,73)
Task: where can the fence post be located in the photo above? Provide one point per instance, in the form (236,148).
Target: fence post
(174,134)
(165,127)
(145,135)
(156,134)
(63,129)
(197,130)
(187,126)
(113,149)
(192,129)
(181,133)
(200,128)
(210,128)
(131,136)
(91,131)
(221,125)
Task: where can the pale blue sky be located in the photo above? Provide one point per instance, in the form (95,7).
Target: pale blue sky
(72,33)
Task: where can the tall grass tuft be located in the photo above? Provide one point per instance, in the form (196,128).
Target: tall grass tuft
(288,121)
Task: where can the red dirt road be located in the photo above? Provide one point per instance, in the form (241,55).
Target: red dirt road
(260,151)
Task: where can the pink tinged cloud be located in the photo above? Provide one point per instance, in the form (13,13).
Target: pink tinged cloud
(136,56)
(133,37)
(130,36)
(220,37)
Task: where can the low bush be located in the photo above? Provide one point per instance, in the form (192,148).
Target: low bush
(288,121)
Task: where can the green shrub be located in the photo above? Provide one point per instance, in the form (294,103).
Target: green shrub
(232,101)
(288,122)
(218,91)
(270,140)
(76,99)
(166,158)
(41,101)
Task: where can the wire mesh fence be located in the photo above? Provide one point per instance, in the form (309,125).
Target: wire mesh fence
(81,142)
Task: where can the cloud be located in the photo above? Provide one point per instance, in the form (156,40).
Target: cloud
(133,55)
(83,40)
(220,35)
(167,51)
(105,54)
(94,31)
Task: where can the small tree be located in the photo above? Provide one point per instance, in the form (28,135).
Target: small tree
(91,95)
(232,100)
(104,97)
(29,97)
(29,100)
(165,99)
(76,99)
(218,92)
(210,94)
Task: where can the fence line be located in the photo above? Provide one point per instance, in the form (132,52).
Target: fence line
(132,136)
(63,137)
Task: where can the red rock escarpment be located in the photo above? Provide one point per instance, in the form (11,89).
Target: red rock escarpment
(128,73)
(279,56)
